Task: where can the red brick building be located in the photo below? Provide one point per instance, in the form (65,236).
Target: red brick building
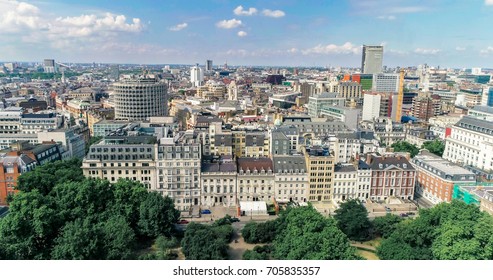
(12,166)
(391,176)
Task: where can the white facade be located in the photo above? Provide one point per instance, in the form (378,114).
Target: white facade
(371,106)
(345,183)
(178,173)
(196,76)
(218,188)
(364,179)
(291,179)
(471,143)
(385,82)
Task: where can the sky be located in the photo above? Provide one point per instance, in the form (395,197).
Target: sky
(445,33)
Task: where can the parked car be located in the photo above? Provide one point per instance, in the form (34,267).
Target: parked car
(183,222)
(403,215)
(205,211)
(411,213)
(234,220)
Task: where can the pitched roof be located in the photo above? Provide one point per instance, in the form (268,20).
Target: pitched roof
(252,164)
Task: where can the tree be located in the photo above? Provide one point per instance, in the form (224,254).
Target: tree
(260,232)
(258,253)
(204,242)
(436,147)
(310,236)
(79,240)
(352,219)
(447,231)
(44,178)
(157,215)
(59,215)
(92,140)
(386,225)
(403,146)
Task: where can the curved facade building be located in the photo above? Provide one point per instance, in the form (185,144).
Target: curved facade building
(139,99)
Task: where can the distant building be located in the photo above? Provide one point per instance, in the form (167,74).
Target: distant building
(196,76)
(371,106)
(349,90)
(487,98)
(49,66)
(388,83)
(372,59)
(426,107)
(139,99)
(208,65)
(350,116)
(316,103)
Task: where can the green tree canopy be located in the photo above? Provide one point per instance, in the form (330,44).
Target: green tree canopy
(448,231)
(67,217)
(206,242)
(44,178)
(386,225)
(265,232)
(157,215)
(436,147)
(403,146)
(310,236)
(352,219)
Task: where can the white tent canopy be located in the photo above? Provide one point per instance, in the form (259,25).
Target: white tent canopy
(253,208)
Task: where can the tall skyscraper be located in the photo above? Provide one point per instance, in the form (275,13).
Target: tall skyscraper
(49,66)
(196,75)
(139,98)
(372,59)
(208,65)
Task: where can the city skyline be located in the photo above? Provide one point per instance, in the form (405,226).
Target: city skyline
(289,33)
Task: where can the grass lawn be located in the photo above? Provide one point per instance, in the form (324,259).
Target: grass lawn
(367,255)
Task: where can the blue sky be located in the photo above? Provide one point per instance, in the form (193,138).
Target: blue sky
(250,32)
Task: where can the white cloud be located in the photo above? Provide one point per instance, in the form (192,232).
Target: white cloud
(19,16)
(292,51)
(239,11)
(274,14)
(397,52)
(16,17)
(240,52)
(488,2)
(406,10)
(242,33)
(460,49)
(427,51)
(228,24)
(488,50)
(109,23)
(346,48)
(178,27)
(36,26)
(387,17)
